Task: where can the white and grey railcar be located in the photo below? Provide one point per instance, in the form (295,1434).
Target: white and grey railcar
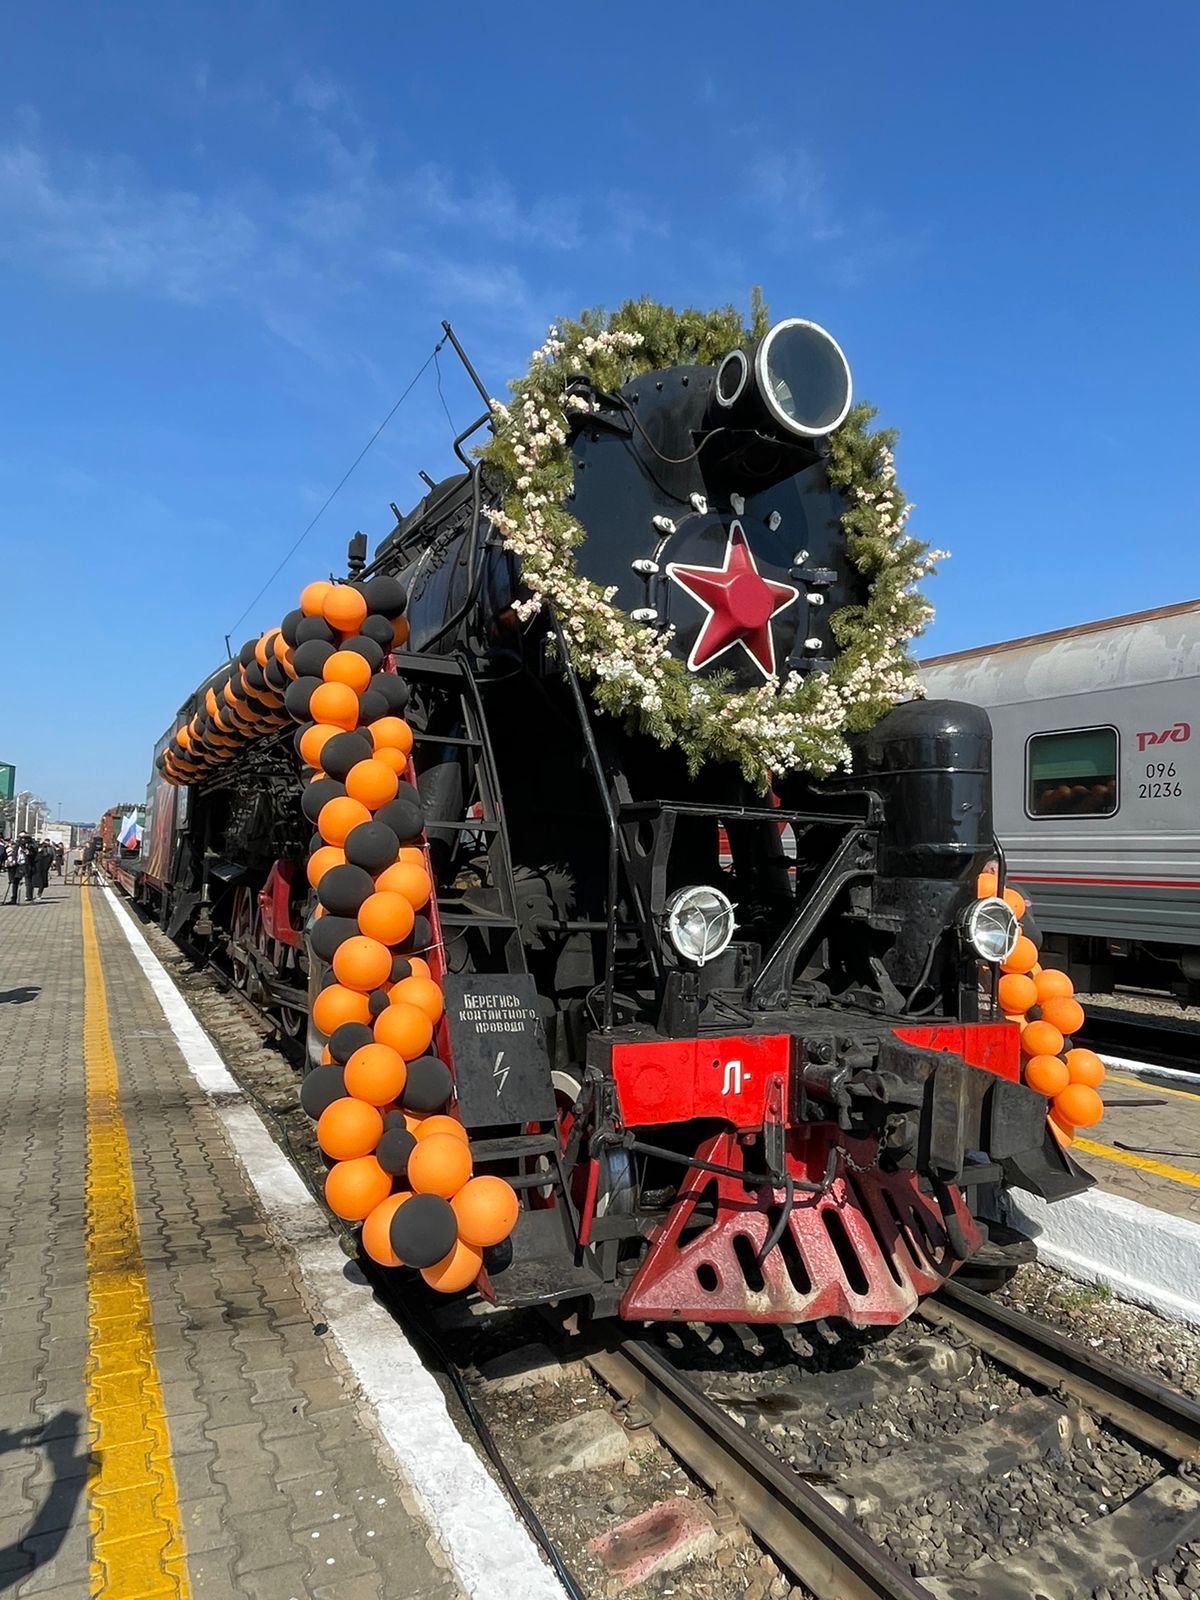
(1097,787)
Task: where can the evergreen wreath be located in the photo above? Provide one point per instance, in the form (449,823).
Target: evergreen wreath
(800,722)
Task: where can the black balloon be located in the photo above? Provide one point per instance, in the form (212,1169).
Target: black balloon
(309,660)
(371,706)
(378,1001)
(318,793)
(401,968)
(393,1150)
(348,1037)
(246,653)
(393,689)
(299,734)
(297,697)
(379,629)
(394,1119)
(254,678)
(496,1257)
(372,846)
(289,625)
(343,889)
(420,938)
(405,815)
(423,1230)
(368,649)
(428,1085)
(328,933)
(343,751)
(320,1088)
(277,678)
(314,628)
(385,596)
(315,843)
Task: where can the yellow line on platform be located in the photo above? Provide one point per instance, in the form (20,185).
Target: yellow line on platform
(1126,1158)
(137,1537)
(1156,1088)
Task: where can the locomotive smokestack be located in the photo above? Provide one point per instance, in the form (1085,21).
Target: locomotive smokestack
(795,379)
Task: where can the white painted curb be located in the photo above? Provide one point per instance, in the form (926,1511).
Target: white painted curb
(491,1552)
(1143,1255)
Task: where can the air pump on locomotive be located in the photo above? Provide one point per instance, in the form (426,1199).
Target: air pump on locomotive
(736,1052)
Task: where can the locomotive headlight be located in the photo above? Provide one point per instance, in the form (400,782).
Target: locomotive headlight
(801,381)
(699,923)
(991,928)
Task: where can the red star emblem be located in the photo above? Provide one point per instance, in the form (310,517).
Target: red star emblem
(740,605)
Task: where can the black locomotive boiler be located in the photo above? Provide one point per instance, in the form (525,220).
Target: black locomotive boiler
(735,1050)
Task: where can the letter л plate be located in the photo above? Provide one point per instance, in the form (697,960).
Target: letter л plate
(501,1069)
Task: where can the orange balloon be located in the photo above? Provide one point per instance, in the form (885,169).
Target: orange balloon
(487,1211)
(439,1122)
(335,702)
(987,885)
(420,992)
(336,1005)
(183,739)
(313,740)
(376,1074)
(265,648)
(1052,985)
(1064,1013)
(392,731)
(312,597)
(420,968)
(279,648)
(399,633)
(408,879)
(1078,1104)
(344,608)
(319,863)
(362,963)
(1024,954)
(440,1164)
(1016,901)
(386,916)
(1046,1074)
(348,667)
(326,1058)
(289,663)
(348,1128)
(391,757)
(377,1229)
(339,817)
(1062,1131)
(354,1188)
(1041,1039)
(406,1029)
(1016,993)
(454,1272)
(1085,1066)
(372,782)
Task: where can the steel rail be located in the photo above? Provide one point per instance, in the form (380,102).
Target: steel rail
(823,1548)
(1155,1415)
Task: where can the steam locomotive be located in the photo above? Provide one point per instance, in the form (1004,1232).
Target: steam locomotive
(737,1053)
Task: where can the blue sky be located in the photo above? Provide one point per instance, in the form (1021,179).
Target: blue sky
(228,233)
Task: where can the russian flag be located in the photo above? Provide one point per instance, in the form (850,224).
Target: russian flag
(130,836)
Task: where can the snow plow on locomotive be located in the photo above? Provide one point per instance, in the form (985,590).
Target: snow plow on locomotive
(722,1018)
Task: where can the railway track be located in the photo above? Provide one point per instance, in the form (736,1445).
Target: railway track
(1140,1037)
(824,1526)
(816,1528)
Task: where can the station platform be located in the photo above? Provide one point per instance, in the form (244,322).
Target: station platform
(1147,1146)
(184,1410)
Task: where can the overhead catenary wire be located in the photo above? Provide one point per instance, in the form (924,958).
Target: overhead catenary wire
(431,358)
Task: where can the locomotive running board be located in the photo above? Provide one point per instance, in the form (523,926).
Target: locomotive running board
(864,1250)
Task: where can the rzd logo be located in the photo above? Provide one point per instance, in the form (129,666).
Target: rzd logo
(1179,734)
(735,1076)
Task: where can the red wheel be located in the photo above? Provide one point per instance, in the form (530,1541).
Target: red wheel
(241,936)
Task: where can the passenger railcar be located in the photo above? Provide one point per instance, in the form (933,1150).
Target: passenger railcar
(1096,734)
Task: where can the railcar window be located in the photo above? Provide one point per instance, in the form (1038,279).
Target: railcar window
(1073,774)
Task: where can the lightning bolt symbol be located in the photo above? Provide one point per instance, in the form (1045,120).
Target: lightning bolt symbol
(499,1072)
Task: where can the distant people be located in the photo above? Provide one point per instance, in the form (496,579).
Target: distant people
(29,865)
(43,860)
(15,866)
(60,859)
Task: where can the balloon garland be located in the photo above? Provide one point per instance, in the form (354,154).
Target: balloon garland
(1042,1000)
(400,1161)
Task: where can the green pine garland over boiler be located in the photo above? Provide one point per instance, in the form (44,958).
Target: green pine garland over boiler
(799,723)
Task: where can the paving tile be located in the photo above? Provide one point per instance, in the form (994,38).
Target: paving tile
(259,1417)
